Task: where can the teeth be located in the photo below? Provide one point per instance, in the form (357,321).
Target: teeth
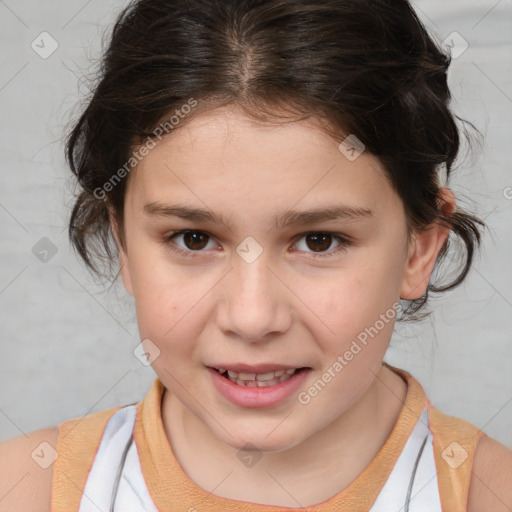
(267,383)
(247,376)
(259,379)
(266,376)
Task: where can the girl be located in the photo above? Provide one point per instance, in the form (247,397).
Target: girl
(269,171)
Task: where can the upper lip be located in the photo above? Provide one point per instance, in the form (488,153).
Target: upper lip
(254,368)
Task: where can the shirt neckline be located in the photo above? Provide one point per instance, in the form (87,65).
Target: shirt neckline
(172,489)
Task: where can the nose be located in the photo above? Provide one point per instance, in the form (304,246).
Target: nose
(255,303)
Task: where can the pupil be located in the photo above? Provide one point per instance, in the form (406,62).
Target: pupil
(323,238)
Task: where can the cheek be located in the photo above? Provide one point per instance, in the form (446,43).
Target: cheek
(173,303)
(170,321)
(349,298)
(358,303)
(161,295)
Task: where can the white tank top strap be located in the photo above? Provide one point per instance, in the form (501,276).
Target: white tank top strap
(412,485)
(133,494)
(116,474)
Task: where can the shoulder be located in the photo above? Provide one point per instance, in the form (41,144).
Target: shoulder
(37,467)
(26,468)
(491,477)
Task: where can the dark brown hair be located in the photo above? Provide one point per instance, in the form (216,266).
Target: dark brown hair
(365,67)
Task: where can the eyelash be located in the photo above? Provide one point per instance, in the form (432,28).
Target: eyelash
(344,243)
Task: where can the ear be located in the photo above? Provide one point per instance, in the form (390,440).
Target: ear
(424,249)
(123,258)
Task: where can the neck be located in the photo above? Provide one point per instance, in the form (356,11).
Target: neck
(310,472)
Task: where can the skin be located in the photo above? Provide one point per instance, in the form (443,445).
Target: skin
(286,307)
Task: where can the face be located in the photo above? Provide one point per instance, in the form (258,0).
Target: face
(256,284)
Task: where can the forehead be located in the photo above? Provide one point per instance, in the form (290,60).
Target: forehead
(224,157)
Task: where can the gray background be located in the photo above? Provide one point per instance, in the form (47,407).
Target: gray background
(67,343)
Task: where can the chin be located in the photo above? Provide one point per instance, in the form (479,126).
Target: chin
(266,438)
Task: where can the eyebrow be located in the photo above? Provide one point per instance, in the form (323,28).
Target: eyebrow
(290,218)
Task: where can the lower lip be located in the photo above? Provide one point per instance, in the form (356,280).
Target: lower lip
(253,397)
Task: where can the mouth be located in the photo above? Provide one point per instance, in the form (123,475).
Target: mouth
(257,386)
(253,379)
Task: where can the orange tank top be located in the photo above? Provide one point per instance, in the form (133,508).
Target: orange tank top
(452,443)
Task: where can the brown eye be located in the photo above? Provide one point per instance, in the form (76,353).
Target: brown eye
(189,243)
(319,242)
(195,240)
